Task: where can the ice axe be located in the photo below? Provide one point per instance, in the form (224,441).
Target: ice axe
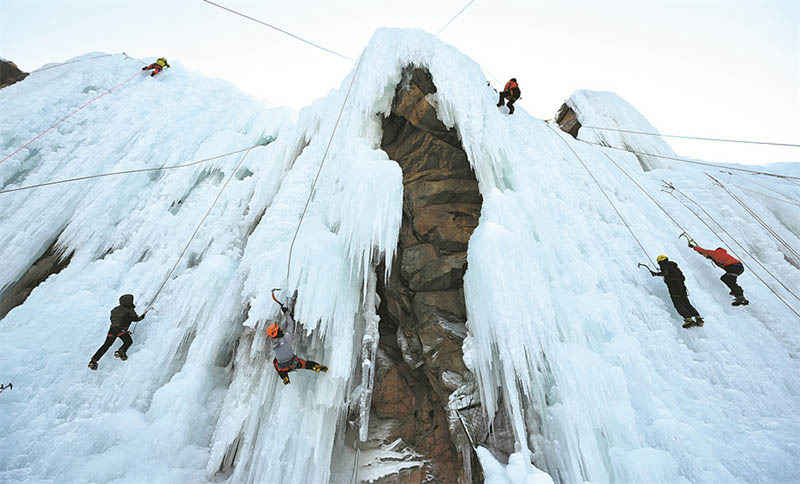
(4,387)
(690,240)
(646,266)
(275,298)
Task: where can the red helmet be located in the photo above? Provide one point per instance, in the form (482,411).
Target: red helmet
(272,330)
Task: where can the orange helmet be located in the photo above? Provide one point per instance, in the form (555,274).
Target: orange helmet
(272,330)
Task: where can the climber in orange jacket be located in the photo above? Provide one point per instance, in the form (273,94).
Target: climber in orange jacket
(510,92)
(732,266)
(156,66)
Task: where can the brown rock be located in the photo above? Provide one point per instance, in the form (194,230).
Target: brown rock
(10,73)
(440,274)
(423,300)
(568,121)
(425,192)
(448,226)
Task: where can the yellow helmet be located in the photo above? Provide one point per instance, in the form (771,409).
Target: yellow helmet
(661,257)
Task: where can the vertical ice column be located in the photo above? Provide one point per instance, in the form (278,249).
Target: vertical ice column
(369,348)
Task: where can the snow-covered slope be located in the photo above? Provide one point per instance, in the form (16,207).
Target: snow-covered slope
(601,381)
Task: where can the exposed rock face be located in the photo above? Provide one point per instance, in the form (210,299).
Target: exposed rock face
(51,262)
(10,73)
(422,312)
(568,121)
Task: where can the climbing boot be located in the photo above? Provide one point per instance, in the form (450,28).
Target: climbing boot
(121,355)
(93,365)
(318,368)
(285,380)
(740,301)
(499,104)
(698,321)
(688,322)
(510,109)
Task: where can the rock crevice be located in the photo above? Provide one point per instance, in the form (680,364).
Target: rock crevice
(423,312)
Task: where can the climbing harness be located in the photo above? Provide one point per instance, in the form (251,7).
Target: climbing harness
(279,30)
(186,247)
(324,157)
(604,192)
(124,172)
(670,189)
(70,115)
(6,387)
(692,137)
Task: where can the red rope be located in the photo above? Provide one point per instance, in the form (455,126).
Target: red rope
(70,115)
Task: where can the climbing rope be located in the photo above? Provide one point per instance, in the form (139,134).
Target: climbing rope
(646,193)
(124,172)
(454,17)
(70,115)
(279,30)
(695,162)
(693,137)
(604,192)
(69,62)
(670,188)
(324,157)
(756,218)
(767,196)
(197,229)
(790,199)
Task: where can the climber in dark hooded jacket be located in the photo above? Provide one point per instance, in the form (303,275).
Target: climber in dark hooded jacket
(673,278)
(121,318)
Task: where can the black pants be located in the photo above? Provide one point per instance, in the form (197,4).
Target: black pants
(126,343)
(283,369)
(680,299)
(512,98)
(731,273)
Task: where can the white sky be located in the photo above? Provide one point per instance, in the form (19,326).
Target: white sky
(703,68)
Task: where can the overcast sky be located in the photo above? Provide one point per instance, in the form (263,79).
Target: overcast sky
(703,68)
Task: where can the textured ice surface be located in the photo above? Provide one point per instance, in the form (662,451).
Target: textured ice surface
(601,382)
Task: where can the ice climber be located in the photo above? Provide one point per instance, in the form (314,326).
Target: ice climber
(673,278)
(510,92)
(157,66)
(121,318)
(281,336)
(732,266)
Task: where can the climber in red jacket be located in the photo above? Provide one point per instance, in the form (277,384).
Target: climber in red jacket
(732,266)
(510,92)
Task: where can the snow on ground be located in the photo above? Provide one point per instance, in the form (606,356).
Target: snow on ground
(601,381)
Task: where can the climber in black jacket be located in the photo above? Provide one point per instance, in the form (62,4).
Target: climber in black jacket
(121,318)
(673,277)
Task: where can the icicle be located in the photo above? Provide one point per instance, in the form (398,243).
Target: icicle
(369,349)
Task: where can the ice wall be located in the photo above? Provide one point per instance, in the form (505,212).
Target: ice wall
(603,109)
(600,380)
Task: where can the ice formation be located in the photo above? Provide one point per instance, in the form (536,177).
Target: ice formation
(601,382)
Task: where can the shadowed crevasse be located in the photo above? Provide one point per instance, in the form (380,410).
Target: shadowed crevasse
(422,311)
(53,261)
